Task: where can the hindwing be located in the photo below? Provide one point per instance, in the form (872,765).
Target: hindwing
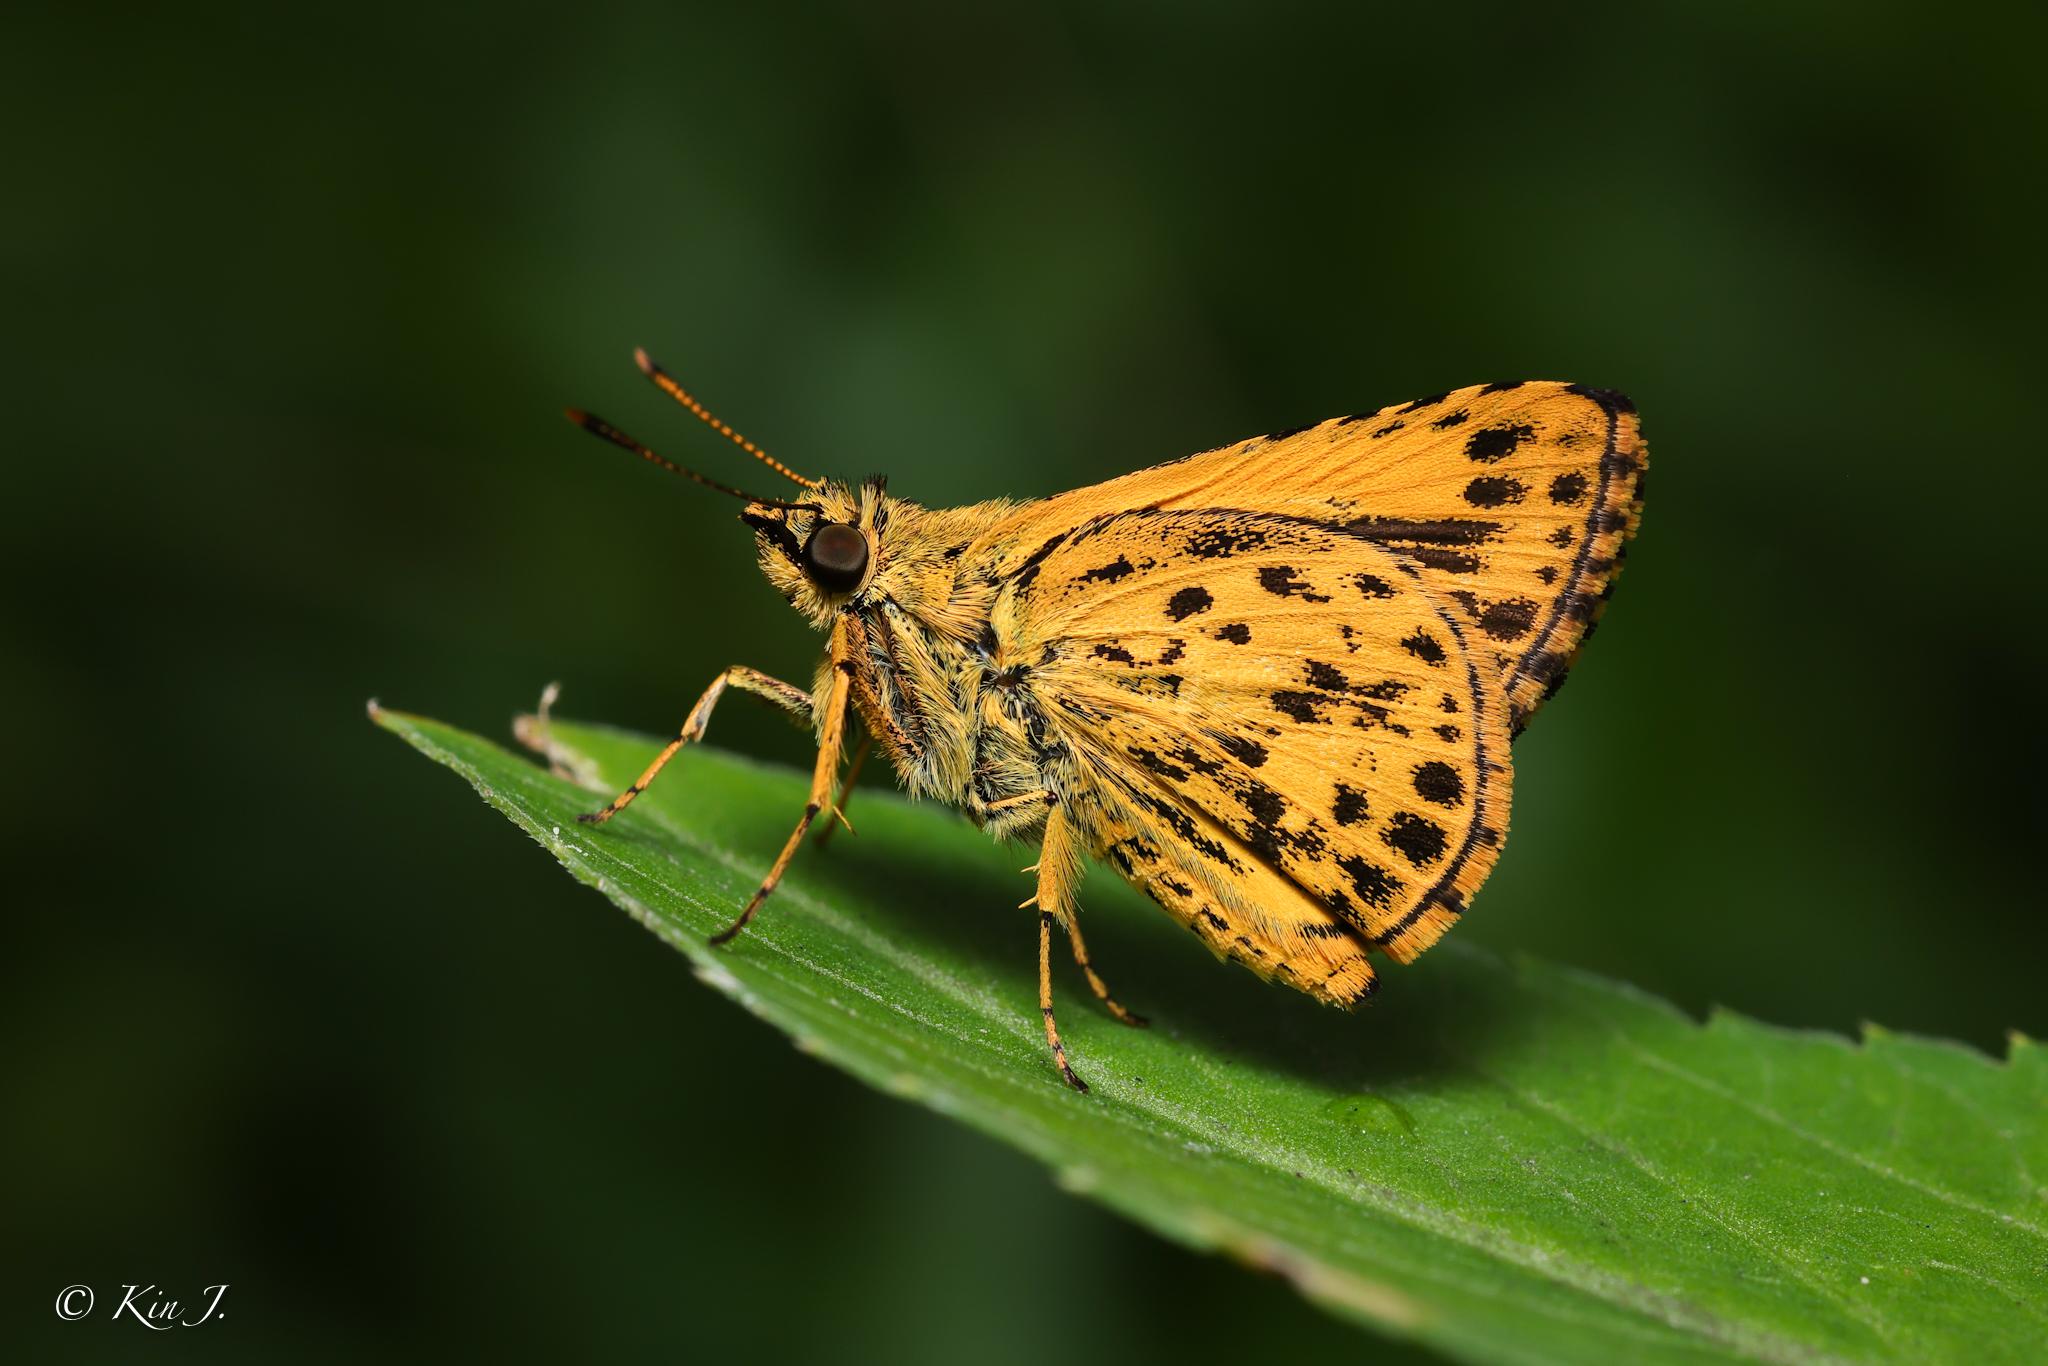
(1262,695)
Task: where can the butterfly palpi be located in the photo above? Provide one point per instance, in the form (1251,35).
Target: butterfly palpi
(1273,685)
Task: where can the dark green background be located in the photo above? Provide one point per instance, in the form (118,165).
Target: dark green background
(294,300)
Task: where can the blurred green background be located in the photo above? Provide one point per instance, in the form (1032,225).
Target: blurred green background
(294,300)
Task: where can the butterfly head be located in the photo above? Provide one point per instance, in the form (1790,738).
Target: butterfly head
(826,550)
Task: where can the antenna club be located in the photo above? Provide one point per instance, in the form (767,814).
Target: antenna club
(645,362)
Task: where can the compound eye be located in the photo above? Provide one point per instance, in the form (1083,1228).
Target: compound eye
(836,557)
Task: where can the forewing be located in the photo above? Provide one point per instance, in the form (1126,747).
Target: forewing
(1275,692)
(1512,502)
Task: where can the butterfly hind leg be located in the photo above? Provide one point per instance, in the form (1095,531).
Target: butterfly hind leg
(1123,1014)
(785,695)
(1059,873)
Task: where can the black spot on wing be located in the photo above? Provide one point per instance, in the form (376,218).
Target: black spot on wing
(1302,706)
(1426,648)
(1221,542)
(1509,620)
(1489,444)
(1416,838)
(1436,781)
(1411,531)
(1375,885)
(1430,402)
(1373,586)
(1447,561)
(1187,602)
(1350,807)
(1109,573)
(1503,387)
(1237,633)
(1449,420)
(1246,751)
(1322,676)
(1492,491)
(1568,488)
(1263,804)
(1282,581)
(1286,432)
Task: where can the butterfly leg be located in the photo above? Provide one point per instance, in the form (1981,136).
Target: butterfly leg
(1095,982)
(1059,873)
(1052,1029)
(830,737)
(785,695)
(860,756)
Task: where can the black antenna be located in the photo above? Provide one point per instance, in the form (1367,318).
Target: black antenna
(598,427)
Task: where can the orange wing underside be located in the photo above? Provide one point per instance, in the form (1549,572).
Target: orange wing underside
(1292,665)
(1514,502)
(1280,734)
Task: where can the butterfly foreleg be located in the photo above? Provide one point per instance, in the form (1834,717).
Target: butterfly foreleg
(831,736)
(785,695)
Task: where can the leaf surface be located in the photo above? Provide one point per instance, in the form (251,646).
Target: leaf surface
(1510,1161)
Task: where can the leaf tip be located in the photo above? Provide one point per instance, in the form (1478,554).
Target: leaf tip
(381,715)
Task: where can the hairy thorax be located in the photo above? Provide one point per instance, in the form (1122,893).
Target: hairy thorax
(959,721)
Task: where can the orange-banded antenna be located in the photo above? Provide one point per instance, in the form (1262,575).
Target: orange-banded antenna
(667,384)
(598,427)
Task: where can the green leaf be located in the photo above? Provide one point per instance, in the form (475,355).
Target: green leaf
(1509,1161)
